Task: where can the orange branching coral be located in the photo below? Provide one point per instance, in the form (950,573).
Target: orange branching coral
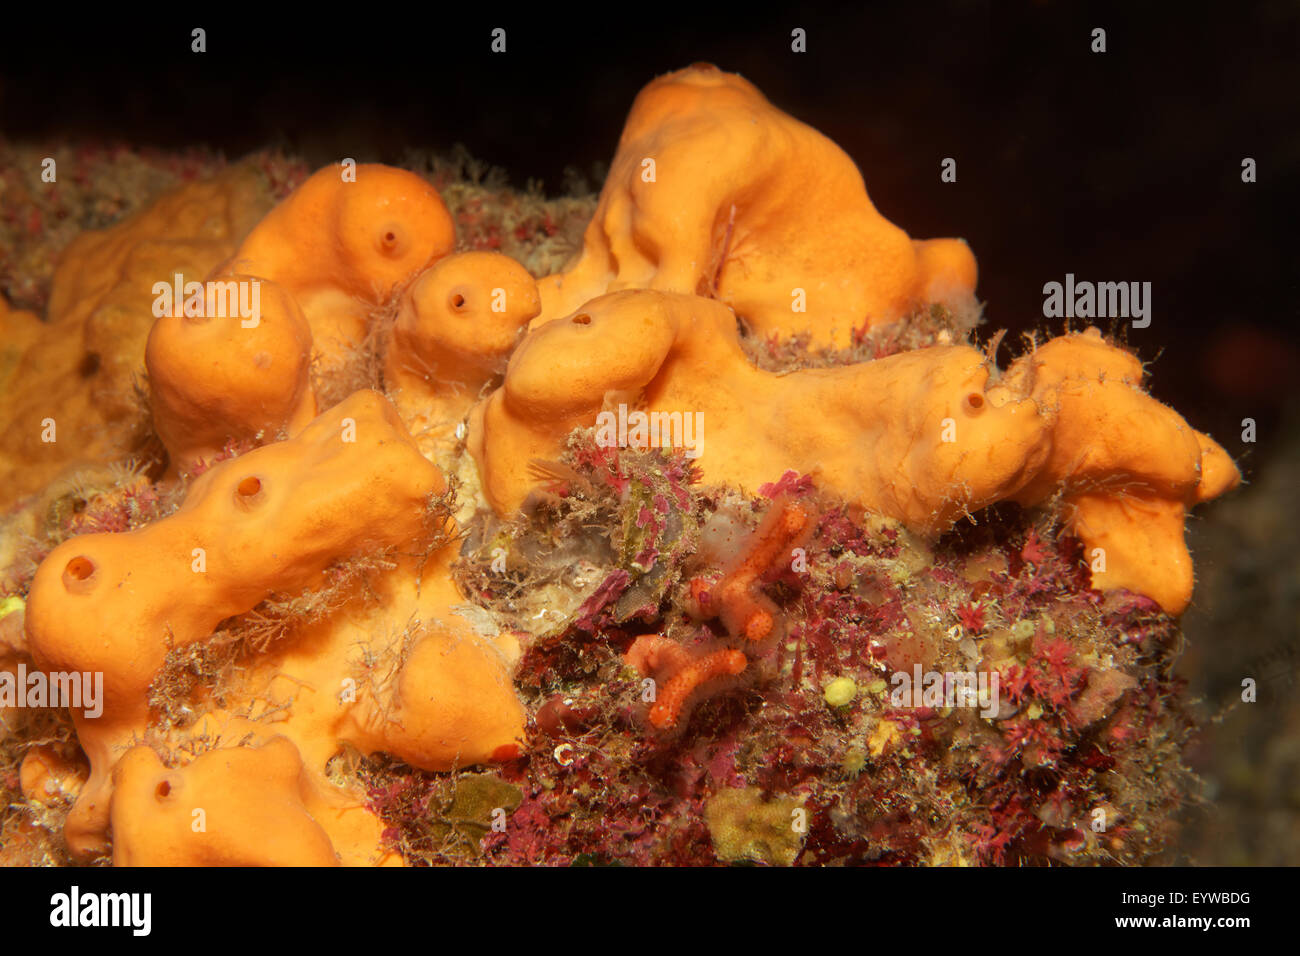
(683,675)
(402,673)
(71,397)
(668,705)
(218,378)
(923,436)
(455,328)
(714,191)
(735,598)
(653,653)
(343,242)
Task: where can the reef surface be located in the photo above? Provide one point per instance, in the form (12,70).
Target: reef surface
(391,516)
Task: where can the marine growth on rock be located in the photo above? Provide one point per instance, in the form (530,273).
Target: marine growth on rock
(364,542)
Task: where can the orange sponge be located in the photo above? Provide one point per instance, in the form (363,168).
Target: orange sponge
(876,433)
(923,437)
(19,330)
(70,395)
(231,807)
(276,520)
(216,379)
(1128,466)
(343,242)
(716,192)
(456,326)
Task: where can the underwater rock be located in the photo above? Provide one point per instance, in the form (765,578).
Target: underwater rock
(428,512)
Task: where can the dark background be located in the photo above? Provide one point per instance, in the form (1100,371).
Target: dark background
(1117,166)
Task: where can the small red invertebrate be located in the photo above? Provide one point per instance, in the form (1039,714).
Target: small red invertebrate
(971,616)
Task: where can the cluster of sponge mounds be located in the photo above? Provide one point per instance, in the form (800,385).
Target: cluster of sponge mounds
(327,262)
(403,674)
(80,368)
(343,242)
(924,437)
(346,486)
(218,380)
(747,213)
(748,205)
(418,680)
